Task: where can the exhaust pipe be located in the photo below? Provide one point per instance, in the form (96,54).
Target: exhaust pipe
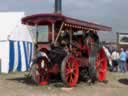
(58,6)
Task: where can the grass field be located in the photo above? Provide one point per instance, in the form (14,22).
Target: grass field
(15,84)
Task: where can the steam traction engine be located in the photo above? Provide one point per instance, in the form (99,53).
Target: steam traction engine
(67,47)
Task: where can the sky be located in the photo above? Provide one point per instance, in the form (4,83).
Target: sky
(112,13)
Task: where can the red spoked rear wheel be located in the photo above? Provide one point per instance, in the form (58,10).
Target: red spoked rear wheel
(101,64)
(70,71)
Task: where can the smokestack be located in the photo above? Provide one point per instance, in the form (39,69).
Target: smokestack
(58,6)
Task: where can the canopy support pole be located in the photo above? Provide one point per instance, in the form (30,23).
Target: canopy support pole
(36,41)
(53,33)
(36,34)
(70,33)
(59,32)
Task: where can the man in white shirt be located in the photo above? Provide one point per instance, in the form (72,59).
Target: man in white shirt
(115,58)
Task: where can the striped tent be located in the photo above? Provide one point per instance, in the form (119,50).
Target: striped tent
(15,43)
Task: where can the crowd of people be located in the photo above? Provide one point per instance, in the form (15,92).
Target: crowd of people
(119,60)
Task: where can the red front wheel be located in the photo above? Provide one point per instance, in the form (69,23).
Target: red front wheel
(39,72)
(70,71)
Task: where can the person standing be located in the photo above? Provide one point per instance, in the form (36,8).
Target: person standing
(123,57)
(127,59)
(115,59)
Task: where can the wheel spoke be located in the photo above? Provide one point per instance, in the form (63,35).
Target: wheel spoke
(101,64)
(71,78)
(101,60)
(68,65)
(74,66)
(67,77)
(68,71)
(73,73)
(102,70)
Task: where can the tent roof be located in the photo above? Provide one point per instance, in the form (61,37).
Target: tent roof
(11,27)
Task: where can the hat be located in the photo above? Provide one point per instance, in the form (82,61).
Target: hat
(121,49)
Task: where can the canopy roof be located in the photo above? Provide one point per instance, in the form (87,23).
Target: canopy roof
(42,19)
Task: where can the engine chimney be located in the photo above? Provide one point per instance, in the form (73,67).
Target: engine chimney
(58,6)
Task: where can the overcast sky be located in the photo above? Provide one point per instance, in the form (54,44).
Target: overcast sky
(107,12)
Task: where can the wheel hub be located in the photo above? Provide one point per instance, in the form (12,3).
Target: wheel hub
(71,70)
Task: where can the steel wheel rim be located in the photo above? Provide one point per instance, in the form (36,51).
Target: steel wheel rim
(101,64)
(71,71)
(35,73)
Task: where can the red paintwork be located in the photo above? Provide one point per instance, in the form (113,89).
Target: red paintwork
(76,59)
(101,65)
(41,75)
(71,71)
(40,45)
(54,69)
(43,19)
